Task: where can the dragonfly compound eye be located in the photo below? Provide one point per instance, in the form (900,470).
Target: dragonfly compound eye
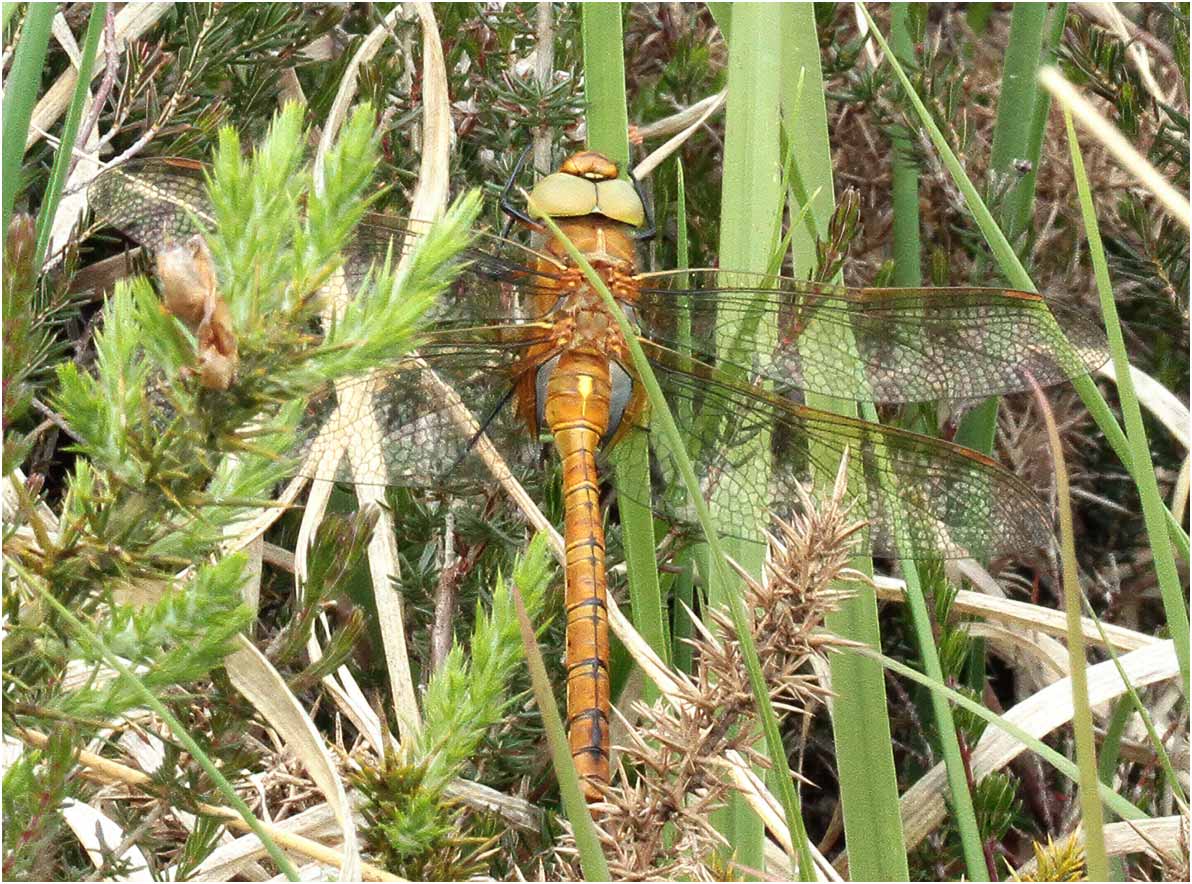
(563,195)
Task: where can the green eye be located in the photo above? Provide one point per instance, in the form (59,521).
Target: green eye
(618,199)
(562,196)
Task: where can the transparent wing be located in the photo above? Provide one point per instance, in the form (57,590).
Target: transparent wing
(924,498)
(883,345)
(425,443)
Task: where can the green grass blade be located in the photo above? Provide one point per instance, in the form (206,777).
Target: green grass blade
(683,629)
(604,81)
(905,191)
(1153,508)
(1012,137)
(1111,799)
(1024,195)
(722,14)
(750,200)
(907,272)
(608,128)
(868,781)
(70,131)
(1135,704)
(1012,134)
(961,798)
(21,87)
(587,842)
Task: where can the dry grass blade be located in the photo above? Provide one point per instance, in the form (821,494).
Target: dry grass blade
(924,805)
(1015,613)
(256,679)
(74,201)
(104,770)
(101,836)
(357,429)
(709,107)
(131,22)
(354,421)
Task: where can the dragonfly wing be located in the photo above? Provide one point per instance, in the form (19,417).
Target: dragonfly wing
(155,202)
(923,498)
(430,425)
(159,202)
(880,345)
(471,340)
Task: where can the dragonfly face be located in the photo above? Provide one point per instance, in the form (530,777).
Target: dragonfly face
(523,324)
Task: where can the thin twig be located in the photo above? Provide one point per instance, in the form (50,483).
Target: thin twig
(442,634)
(544,63)
(111,65)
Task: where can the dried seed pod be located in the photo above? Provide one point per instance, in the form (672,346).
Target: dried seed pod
(190,292)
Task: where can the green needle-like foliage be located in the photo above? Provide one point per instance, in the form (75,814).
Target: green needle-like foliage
(170,455)
(177,640)
(410,821)
(173,462)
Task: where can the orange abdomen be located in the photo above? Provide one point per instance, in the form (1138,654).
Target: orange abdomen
(577,413)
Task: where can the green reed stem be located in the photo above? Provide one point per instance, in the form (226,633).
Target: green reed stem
(1153,508)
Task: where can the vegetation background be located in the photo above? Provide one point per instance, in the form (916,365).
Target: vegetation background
(151,720)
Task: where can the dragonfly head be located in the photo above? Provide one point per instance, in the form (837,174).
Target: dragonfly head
(591,165)
(587,183)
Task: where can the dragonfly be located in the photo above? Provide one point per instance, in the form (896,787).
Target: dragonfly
(530,347)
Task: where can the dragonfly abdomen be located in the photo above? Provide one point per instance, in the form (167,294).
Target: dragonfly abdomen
(577,405)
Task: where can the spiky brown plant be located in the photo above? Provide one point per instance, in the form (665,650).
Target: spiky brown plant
(1165,862)
(678,748)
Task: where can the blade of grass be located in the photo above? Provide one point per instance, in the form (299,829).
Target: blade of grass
(20,94)
(1135,459)
(964,814)
(908,272)
(905,191)
(860,723)
(1147,722)
(1153,506)
(665,423)
(1017,100)
(1107,762)
(1173,202)
(587,842)
(684,587)
(1092,819)
(608,128)
(750,200)
(1012,137)
(1024,194)
(70,132)
(1120,805)
(605,112)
